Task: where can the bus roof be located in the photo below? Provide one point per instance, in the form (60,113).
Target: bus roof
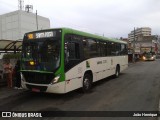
(73,31)
(92,35)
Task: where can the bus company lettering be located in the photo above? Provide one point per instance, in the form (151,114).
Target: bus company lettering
(104,61)
(45,34)
(99,62)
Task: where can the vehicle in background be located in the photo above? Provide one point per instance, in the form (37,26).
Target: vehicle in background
(149,56)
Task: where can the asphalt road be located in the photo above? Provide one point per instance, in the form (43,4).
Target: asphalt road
(137,89)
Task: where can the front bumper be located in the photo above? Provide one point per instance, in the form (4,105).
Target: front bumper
(50,88)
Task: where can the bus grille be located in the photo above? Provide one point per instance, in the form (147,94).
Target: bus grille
(41,88)
(38,78)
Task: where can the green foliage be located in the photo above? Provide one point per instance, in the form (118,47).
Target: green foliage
(12,56)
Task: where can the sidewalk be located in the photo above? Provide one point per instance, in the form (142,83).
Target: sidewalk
(9,92)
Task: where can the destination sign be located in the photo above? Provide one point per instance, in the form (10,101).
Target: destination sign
(42,35)
(45,34)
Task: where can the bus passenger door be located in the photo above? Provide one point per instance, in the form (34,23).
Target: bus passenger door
(73,70)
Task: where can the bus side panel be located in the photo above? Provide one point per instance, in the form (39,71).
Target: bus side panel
(56,88)
(104,67)
(122,61)
(101,67)
(74,77)
(73,84)
(124,64)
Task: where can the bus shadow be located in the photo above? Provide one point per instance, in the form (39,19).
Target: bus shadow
(106,80)
(52,96)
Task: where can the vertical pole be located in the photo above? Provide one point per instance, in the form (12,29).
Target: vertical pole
(15,49)
(20,5)
(36,20)
(134,46)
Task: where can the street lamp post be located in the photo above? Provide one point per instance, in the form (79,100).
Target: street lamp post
(134,46)
(37,19)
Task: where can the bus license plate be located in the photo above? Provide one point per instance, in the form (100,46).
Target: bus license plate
(35,90)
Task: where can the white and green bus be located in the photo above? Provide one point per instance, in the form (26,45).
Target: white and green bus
(61,60)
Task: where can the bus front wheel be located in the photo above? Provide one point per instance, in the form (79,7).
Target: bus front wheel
(87,82)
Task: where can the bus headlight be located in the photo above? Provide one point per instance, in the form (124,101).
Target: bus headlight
(55,79)
(144,58)
(31,63)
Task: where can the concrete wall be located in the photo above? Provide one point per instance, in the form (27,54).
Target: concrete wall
(14,25)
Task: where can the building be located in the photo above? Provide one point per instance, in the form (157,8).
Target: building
(15,24)
(143,41)
(144,31)
(147,43)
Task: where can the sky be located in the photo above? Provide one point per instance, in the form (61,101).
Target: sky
(111,18)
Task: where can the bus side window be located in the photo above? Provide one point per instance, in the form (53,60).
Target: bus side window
(123,49)
(71,51)
(109,48)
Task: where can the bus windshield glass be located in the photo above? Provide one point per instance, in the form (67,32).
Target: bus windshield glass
(41,54)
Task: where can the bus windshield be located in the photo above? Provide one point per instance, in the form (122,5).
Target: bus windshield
(41,54)
(149,54)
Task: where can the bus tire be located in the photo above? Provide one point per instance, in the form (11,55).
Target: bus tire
(117,72)
(87,83)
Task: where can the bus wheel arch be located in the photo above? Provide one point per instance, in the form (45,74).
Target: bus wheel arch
(87,81)
(117,71)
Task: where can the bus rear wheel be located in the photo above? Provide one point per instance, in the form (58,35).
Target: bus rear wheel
(87,83)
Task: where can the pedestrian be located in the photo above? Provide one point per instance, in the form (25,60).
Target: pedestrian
(7,72)
(17,75)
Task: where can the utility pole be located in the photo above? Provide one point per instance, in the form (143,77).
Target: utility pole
(36,20)
(134,40)
(20,4)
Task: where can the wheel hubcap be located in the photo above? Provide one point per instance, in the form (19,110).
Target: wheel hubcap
(117,73)
(86,83)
